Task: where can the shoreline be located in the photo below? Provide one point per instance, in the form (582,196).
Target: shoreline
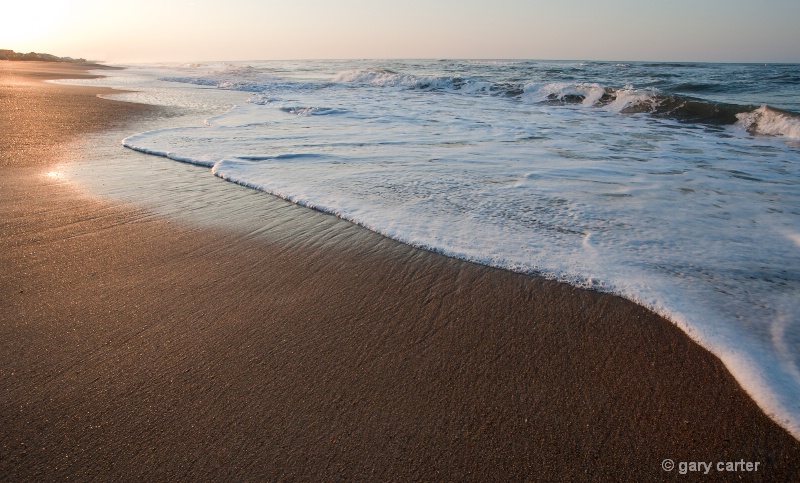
(319,349)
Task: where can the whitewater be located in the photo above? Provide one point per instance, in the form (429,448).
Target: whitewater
(676,186)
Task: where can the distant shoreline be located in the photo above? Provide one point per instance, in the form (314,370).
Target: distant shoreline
(6,54)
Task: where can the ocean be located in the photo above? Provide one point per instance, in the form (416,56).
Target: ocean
(674,185)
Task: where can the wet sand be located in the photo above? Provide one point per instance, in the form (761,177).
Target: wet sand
(135,347)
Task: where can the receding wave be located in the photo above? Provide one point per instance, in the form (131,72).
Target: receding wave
(134,143)
(537,168)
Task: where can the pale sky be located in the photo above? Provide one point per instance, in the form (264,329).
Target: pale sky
(200,30)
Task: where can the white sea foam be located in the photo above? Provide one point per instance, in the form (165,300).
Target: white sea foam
(541,92)
(631,98)
(590,94)
(381,77)
(771,122)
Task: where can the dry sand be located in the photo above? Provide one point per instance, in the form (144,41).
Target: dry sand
(135,348)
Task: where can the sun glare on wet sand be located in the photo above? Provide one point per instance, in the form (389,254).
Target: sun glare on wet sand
(57,175)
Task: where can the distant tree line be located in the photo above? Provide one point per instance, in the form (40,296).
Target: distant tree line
(11,55)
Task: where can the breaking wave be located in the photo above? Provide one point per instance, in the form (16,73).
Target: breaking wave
(762,120)
(768,121)
(628,99)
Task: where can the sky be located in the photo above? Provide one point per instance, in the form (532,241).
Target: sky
(125,31)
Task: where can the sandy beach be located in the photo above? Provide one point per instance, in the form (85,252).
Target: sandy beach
(133,347)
